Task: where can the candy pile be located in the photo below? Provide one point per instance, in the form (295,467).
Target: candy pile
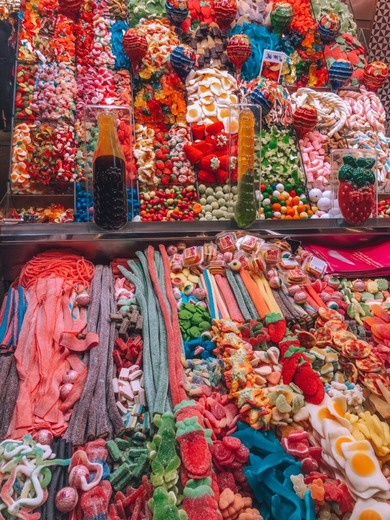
(215,371)
(184,65)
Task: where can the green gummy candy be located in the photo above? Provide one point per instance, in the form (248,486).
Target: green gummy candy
(366,296)
(194,332)
(185,315)
(204,325)
(196,319)
(185,324)
(382,284)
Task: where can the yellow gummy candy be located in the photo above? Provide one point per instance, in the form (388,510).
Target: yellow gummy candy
(246,143)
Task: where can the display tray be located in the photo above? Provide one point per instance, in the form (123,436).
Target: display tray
(152,231)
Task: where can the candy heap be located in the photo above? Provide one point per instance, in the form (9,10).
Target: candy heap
(281,389)
(183,65)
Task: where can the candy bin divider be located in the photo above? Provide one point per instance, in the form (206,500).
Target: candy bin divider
(89,112)
(336,163)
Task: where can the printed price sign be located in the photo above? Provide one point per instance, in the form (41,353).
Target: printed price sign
(272,64)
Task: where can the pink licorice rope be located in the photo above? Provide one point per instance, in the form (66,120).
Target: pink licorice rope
(175,322)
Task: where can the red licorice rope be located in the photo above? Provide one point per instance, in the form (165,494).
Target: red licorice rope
(175,349)
(177,392)
(74,269)
(44,354)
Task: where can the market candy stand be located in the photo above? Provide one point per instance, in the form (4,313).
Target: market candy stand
(226,353)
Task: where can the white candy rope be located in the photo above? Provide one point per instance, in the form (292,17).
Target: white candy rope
(332,110)
(365,111)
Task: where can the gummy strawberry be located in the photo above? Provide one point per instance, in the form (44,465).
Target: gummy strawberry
(356,193)
(193,154)
(356,204)
(210,163)
(195,453)
(215,128)
(276,325)
(206,177)
(310,384)
(198,131)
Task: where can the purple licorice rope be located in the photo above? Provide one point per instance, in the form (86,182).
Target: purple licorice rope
(78,421)
(9,386)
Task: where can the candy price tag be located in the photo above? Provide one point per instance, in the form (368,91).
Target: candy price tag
(272,64)
(316,266)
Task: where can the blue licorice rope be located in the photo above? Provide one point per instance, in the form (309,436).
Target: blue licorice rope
(22,308)
(8,308)
(118,29)
(260,39)
(212,303)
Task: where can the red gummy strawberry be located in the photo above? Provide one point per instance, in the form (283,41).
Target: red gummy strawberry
(198,508)
(356,204)
(210,163)
(198,131)
(160,165)
(207,177)
(310,384)
(193,154)
(205,148)
(290,365)
(195,453)
(226,480)
(276,326)
(224,162)
(215,128)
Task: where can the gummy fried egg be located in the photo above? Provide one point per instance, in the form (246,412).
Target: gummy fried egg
(363,471)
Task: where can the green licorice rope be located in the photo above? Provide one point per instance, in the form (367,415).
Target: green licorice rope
(248,300)
(237,293)
(153,322)
(160,276)
(158,344)
(140,288)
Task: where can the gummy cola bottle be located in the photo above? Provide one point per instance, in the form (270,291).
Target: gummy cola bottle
(109,177)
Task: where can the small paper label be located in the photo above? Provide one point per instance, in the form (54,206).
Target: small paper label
(272,64)
(316,266)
